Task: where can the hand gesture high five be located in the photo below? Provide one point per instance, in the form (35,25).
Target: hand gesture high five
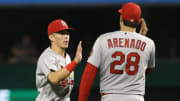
(78,56)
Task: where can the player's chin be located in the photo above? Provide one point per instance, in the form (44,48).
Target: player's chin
(65,46)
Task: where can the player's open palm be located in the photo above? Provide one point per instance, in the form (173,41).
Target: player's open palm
(78,56)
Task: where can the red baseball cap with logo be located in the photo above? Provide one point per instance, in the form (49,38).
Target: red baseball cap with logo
(57,25)
(131,12)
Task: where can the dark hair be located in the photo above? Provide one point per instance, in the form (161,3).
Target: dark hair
(63,32)
(130,24)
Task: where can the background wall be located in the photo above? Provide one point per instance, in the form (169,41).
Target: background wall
(18,82)
(90,21)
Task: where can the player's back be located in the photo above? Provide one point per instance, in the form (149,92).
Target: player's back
(124,57)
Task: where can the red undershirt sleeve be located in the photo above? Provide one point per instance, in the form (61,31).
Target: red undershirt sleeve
(87,81)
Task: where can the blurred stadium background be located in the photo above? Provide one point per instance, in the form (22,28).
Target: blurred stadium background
(90,18)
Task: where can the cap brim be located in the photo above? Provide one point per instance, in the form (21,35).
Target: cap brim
(120,11)
(68,29)
(71,29)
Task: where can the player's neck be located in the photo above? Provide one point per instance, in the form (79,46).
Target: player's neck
(126,28)
(58,50)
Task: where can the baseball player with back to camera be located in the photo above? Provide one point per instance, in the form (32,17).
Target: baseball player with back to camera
(123,58)
(54,74)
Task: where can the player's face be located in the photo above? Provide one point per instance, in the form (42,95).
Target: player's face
(62,39)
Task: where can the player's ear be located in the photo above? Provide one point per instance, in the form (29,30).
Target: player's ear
(52,37)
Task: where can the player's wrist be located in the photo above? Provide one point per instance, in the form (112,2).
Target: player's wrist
(76,60)
(71,66)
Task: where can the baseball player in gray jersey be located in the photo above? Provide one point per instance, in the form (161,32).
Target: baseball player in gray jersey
(54,74)
(123,58)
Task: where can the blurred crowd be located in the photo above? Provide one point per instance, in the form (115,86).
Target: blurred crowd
(24,51)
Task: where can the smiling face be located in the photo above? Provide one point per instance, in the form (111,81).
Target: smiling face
(60,39)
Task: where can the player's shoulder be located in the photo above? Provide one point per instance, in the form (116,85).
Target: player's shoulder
(108,34)
(149,40)
(47,54)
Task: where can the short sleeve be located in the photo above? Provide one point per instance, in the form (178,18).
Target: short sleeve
(47,64)
(95,55)
(151,62)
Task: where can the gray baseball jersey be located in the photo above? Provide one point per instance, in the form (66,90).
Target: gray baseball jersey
(122,58)
(48,62)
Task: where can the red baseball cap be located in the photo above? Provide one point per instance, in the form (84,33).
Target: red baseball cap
(131,12)
(57,25)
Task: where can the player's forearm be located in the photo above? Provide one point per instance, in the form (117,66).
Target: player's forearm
(57,76)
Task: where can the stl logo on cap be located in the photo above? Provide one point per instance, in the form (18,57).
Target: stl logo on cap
(63,23)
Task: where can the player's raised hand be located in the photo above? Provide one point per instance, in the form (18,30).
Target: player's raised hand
(78,56)
(144,29)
